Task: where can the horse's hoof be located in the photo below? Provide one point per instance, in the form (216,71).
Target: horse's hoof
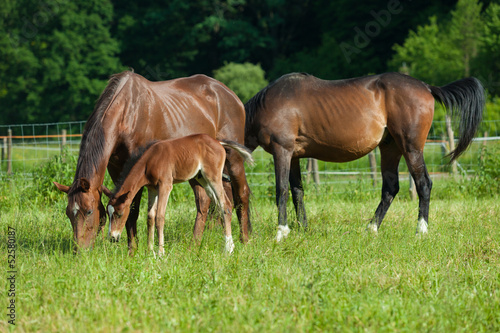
(421,227)
(283,231)
(372,227)
(229,245)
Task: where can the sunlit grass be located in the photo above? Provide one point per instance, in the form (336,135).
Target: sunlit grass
(333,277)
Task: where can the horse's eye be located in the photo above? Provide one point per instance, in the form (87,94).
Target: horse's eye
(90,212)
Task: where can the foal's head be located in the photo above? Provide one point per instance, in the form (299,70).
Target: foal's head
(118,211)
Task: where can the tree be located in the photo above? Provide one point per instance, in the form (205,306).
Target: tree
(487,63)
(244,79)
(57,56)
(440,53)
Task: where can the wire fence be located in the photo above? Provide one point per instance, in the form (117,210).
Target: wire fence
(33,144)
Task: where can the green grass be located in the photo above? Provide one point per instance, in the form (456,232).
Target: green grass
(334,277)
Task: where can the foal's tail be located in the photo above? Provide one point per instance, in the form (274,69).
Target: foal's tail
(464,99)
(242,150)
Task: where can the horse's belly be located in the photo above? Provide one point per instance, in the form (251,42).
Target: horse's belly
(338,148)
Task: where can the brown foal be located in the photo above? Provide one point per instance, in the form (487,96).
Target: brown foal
(164,164)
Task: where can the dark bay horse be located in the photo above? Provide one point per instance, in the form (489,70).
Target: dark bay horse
(299,116)
(133,111)
(164,164)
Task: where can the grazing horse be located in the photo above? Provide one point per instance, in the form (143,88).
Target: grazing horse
(164,164)
(299,116)
(133,111)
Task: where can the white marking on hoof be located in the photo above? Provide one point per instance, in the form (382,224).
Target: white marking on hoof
(422,226)
(372,227)
(229,244)
(283,231)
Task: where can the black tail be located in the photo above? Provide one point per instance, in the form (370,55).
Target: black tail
(464,100)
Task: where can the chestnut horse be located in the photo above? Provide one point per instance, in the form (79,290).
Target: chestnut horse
(164,164)
(299,116)
(133,111)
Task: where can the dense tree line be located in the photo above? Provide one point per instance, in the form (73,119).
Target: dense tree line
(56,55)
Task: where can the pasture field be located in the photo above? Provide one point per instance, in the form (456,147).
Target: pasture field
(333,277)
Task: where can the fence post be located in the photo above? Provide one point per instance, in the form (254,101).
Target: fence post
(373,167)
(9,152)
(63,140)
(4,149)
(312,168)
(483,146)
(451,139)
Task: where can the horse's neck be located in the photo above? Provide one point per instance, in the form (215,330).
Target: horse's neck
(135,180)
(94,155)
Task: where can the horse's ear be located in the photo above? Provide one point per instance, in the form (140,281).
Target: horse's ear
(122,198)
(84,184)
(106,191)
(62,188)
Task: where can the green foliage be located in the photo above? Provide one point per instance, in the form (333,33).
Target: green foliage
(244,79)
(487,181)
(464,45)
(487,62)
(60,168)
(56,58)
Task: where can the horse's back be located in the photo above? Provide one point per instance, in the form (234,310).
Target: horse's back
(337,120)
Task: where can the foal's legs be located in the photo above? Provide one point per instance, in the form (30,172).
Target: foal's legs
(390,156)
(423,183)
(152,207)
(298,192)
(163,194)
(282,158)
(241,191)
(202,206)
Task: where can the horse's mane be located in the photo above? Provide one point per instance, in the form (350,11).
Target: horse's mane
(258,101)
(92,145)
(127,167)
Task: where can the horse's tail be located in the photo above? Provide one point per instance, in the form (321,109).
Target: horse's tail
(242,150)
(464,100)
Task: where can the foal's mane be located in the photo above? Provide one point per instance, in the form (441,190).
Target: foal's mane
(257,102)
(92,145)
(127,167)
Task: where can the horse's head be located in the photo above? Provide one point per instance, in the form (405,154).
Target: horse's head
(118,211)
(85,211)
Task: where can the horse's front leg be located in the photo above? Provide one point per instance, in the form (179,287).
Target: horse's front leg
(131,224)
(298,192)
(152,207)
(163,194)
(282,158)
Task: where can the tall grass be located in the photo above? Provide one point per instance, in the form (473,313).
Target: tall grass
(333,277)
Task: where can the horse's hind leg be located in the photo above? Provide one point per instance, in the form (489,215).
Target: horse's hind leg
(152,207)
(298,192)
(390,156)
(423,183)
(282,161)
